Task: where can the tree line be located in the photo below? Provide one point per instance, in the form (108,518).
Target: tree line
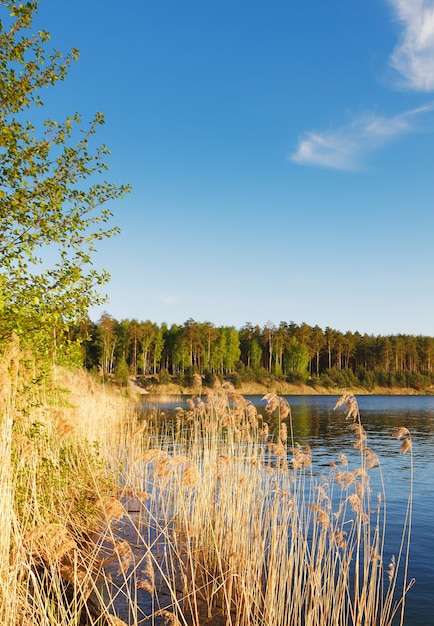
(291,352)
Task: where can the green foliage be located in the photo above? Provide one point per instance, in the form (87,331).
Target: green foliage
(296,378)
(210,378)
(236,379)
(296,357)
(297,354)
(164,376)
(231,353)
(188,378)
(51,203)
(338,378)
(180,378)
(246,373)
(255,354)
(122,372)
(418,381)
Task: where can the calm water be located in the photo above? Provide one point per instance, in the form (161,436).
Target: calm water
(315,422)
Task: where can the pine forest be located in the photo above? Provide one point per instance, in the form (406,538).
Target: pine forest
(295,353)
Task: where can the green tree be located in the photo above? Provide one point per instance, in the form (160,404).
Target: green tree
(280,338)
(268,337)
(84,335)
(296,357)
(318,341)
(108,340)
(329,339)
(122,372)
(192,336)
(123,334)
(134,346)
(147,332)
(255,354)
(158,347)
(50,203)
(210,334)
(232,348)
(178,349)
(250,345)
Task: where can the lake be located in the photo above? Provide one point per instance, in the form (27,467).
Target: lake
(315,422)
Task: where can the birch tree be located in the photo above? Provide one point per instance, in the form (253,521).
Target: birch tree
(53,203)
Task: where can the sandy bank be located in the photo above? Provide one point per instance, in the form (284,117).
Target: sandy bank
(281,388)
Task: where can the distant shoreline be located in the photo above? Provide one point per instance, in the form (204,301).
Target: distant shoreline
(280,388)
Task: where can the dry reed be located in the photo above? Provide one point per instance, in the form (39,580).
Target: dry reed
(187,522)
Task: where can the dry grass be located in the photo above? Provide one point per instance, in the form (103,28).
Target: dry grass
(203,519)
(56,439)
(256,537)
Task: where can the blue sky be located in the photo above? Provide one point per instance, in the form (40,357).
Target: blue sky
(280,154)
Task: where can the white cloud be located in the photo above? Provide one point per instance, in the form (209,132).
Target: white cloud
(413,57)
(335,150)
(345,148)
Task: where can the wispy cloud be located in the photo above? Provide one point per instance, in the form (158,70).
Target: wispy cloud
(413,57)
(346,147)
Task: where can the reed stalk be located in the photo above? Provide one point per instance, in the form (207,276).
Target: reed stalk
(109,516)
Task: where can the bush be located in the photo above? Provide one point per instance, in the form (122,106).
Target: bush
(210,378)
(249,375)
(296,377)
(419,381)
(338,378)
(164,377)
(122,373)
(401,380)
(235,379)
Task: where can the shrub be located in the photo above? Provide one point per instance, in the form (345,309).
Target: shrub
(122,372)
(296,377)
(236,379)
(164,377)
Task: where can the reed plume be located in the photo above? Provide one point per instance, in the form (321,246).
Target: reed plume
(349,401)
(196,513)
(403,434)
(147,576)
(168,618)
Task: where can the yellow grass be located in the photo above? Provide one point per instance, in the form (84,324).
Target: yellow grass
(110,515)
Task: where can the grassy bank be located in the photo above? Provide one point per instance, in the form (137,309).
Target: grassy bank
(111,517)
(59,433)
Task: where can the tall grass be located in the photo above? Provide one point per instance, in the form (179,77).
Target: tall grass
(257,537)
(57,436)
(115,517)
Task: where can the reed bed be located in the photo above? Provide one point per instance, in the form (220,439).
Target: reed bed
(115,517)
(254,536)
(57,434)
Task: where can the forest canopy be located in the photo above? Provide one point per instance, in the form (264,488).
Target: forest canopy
(290,352)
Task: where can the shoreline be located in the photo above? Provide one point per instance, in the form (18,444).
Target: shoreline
(280,388)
